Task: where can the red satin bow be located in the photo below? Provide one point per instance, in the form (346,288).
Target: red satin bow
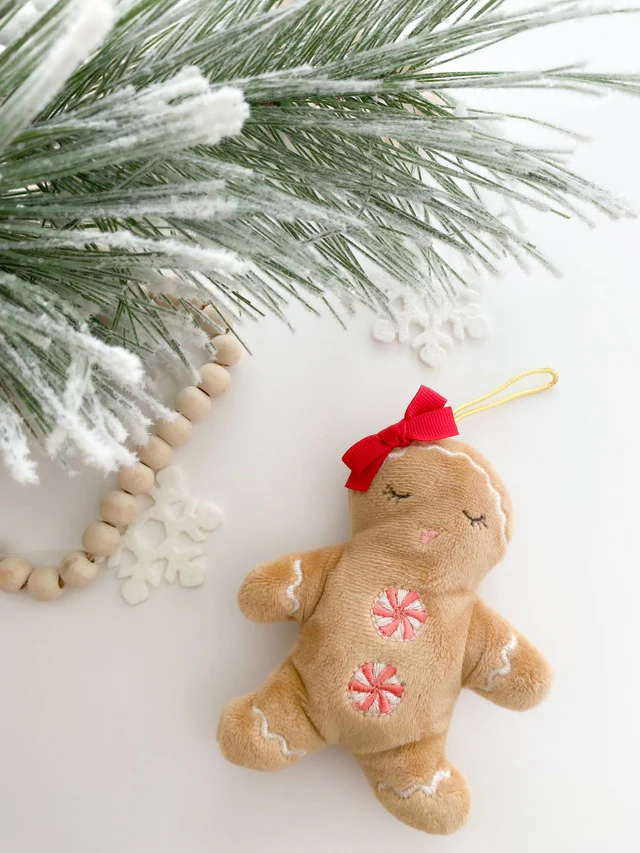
(426,419)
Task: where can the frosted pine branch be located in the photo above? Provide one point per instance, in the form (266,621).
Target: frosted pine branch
(87,393)
(156,156)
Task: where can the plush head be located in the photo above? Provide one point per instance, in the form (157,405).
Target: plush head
(440,502)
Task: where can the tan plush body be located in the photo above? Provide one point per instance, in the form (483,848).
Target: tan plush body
(392,628)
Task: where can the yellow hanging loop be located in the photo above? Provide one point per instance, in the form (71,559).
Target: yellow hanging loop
(467,408)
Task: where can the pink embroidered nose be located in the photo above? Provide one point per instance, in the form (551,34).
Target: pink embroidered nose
(427,536)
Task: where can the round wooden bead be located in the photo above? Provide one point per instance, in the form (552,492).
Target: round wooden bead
(215,380)
(118,508)
(156,454)
(229,350)
(77,570)
(45,583)
(193,403)
(100,539)
(212,324)
(14,573)
(176,432)
(137,480)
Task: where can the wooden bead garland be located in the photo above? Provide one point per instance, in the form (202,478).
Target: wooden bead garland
(118,508)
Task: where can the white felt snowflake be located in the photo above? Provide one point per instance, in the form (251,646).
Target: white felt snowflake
(181,520)
(432,332)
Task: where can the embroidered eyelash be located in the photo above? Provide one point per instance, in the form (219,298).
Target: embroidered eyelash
(476,521)
(390,492)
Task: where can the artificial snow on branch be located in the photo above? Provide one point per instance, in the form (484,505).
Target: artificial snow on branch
(158,156)
(87,28)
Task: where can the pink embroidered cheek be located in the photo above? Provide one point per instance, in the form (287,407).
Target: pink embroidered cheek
(398,614)
(428,536)
(375,689)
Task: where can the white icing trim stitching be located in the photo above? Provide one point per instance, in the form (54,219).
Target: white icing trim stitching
(505,669)
(396,454)
(297,580)
(269,735)
(429,790)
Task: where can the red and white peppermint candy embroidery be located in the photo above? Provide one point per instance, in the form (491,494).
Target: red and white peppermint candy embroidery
(375,689)
(398,614)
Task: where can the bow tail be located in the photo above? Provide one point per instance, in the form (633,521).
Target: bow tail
(365,459)
(360,482)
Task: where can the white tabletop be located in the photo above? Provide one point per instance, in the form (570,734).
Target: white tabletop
(108,713)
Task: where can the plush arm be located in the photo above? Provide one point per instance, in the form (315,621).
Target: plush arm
(287,588)
(501,664)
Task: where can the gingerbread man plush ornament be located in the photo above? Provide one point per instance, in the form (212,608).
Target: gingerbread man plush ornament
(392,626)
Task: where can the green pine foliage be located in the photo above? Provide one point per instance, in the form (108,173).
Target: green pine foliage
(157,156)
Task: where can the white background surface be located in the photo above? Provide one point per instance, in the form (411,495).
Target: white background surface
(108,713)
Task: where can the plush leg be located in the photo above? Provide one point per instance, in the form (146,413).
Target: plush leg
(269,729)
(419,786)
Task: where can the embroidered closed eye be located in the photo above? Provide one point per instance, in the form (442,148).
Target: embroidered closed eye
(476,521)
(391,493)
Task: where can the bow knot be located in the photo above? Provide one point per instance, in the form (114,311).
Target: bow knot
(426,419)
(395,435)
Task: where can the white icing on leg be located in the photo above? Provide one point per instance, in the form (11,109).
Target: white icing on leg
(430,790)
(267,734)
(505,669)
(293,586)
